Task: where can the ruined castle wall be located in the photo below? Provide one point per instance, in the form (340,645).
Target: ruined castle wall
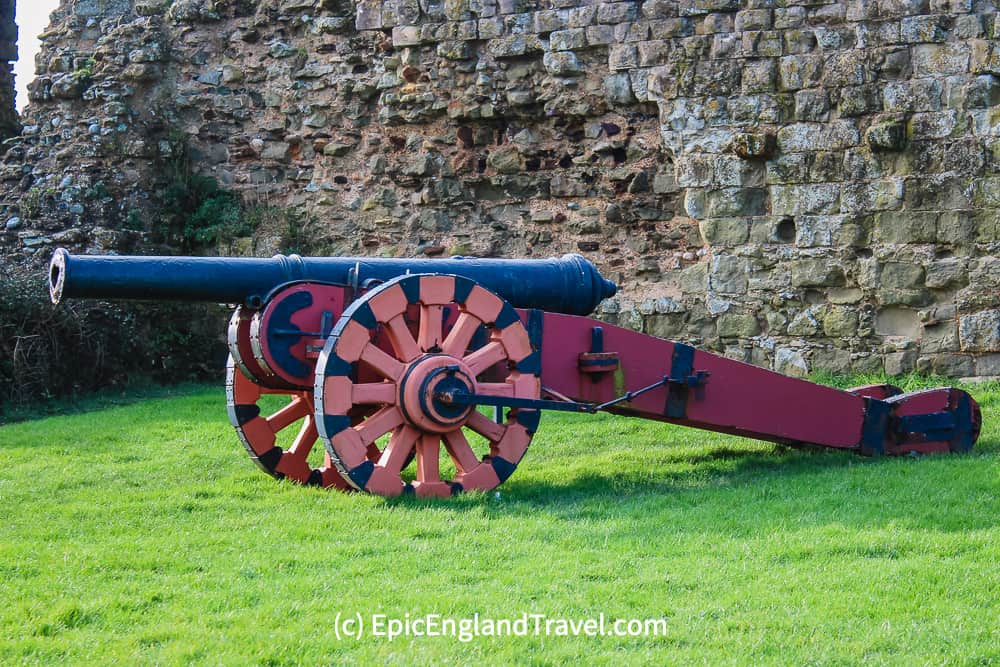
(799,184)
(9,124)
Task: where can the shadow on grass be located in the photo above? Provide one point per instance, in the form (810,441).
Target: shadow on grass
(762,490)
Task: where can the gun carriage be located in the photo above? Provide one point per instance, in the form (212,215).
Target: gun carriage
(383,362)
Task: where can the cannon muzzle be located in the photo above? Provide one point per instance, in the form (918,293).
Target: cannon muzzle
(568,284)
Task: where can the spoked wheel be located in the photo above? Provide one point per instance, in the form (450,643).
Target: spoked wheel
(259,434)
(417,372)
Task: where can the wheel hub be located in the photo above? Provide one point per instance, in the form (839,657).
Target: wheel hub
(423,381)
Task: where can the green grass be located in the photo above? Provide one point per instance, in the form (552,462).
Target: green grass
(143,534)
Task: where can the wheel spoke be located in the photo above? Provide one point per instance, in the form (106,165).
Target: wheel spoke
(485,427)
(382,363)
(379,424)
(431,324)
(428,458)
(306,438)
(373,392)
(460,335)
(460,451)
(402,340)
(396,453)
(485,357)
(291,413)
(504,389)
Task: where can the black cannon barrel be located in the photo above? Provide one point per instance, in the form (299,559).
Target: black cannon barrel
(568,284)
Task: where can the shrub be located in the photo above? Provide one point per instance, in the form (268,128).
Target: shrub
(79,346)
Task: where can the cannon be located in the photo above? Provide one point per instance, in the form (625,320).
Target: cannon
(388,361)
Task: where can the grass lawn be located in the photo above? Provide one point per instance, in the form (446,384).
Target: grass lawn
(143,534)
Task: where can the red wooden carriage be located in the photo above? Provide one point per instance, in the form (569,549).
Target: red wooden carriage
(387,361)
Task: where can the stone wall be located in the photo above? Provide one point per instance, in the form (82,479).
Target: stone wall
(799,184)
(9,124)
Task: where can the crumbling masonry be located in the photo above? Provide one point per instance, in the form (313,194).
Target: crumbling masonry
(799,184)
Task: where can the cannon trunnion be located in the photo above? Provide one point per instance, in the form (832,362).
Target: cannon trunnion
(390,363)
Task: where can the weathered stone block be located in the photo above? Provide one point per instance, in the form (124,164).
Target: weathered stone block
(506,160)
(845,295)
(694,170)
(276,150)
(983,227)
(727,232)
(945,273)
(845,68)
(876,34)
(983,92)
(567,40)
(872,196)
(561,62)
(669,325)
(980,332)
(905,227)
(489,28)
(949,365)
(912,95)
(800,71)
(817,272)
(451,50)
(789,17)
(790,361)
(580,16)
(617,12)
(742,325)
(653,53)
(798,42)
(762,44)
(623,56)
(714,23)
(788,168)
(916,29)
(934,125)
(818,230)
(831,360)
(694,279)
(736,201)
(836,135)
(697,7)
(753,19)
(900,363)
(840,321)
(940,59)
(812,105)
(819,198)
(988,192)
(947,192)
(598,35)
(729,274)
(513,45)
(859,100)
(887,136)
(731,171)
(901,275)
(988,365)
(368,15)
(827,166)
(759,76)
(696,203)
(618,89)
